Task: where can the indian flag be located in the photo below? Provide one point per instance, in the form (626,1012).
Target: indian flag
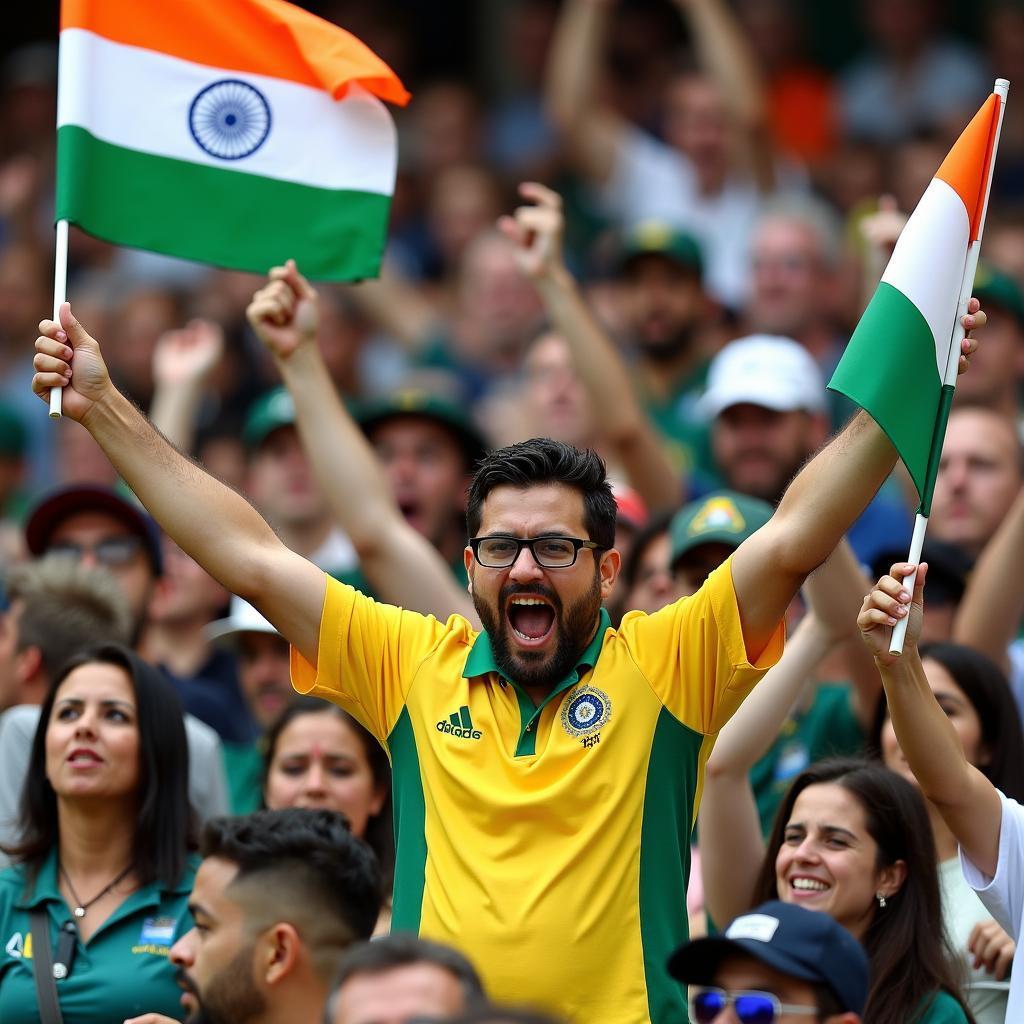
(232,132)
(901,363)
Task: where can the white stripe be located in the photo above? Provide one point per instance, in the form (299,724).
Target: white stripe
(140,99)
(927,264)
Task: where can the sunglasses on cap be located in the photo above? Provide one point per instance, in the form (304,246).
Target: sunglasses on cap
(707,1004)
(109,552)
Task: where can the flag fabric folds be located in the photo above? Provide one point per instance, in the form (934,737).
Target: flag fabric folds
(235,132)
(895,364)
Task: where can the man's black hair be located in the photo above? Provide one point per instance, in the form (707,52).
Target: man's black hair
(544,461)
(402,949)
(327,868)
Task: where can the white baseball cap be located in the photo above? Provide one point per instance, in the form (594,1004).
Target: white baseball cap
(242,618)
(763,369)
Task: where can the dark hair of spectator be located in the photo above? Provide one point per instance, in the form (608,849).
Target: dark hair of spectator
(333,872)
(905,941)
(164,822)
(502,1015)
(380,832)
(402,949)
(656,526)
(986,687)
(544,461)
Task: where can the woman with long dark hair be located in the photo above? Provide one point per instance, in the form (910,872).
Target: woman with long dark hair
(317,755)
(102,871)
(852,839)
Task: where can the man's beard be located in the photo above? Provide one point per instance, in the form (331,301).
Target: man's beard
(573,629)
(231,997)
(667,349)
(769,488)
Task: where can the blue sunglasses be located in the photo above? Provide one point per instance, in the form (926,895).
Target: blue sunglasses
(706,1004)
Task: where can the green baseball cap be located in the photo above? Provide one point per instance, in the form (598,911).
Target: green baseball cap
(659,238)
(722,517)
(413,402)
(268,413)
(993,287)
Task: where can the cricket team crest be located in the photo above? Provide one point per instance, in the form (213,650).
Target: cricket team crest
(718,513)
(585,711)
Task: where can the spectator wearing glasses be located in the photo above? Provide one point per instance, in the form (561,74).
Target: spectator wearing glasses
(563,758)
(779,964)
(96,526)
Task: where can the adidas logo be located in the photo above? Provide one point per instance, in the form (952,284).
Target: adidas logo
(459,725)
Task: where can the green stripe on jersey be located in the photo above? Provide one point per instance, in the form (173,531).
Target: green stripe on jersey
(225,217)
(889,369)
(672,772)
(410,826)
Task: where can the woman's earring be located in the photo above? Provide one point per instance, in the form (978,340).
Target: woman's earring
(881,900)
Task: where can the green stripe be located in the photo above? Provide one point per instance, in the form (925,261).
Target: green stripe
(224,217)
(941,419)
(889,370)
(410,826)
(665,860)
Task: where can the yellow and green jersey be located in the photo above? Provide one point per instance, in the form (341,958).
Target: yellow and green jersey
(550,843)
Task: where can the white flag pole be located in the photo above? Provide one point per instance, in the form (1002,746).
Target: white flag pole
(899,631)
(60,293)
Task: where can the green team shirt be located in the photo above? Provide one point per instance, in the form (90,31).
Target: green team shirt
(122,971)
(243,767)
(827,728)
(942,1009)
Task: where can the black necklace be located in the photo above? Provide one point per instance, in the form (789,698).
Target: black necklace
(80,908)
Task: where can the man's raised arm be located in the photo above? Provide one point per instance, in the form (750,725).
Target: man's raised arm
(819,506)
(400,564)
(207,519)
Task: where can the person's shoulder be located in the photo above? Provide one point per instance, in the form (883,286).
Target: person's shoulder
(20,719)
(12,884)
(942,1008)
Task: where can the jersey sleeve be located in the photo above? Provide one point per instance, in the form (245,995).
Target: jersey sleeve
(1003,893)
(367,657)
(693,655)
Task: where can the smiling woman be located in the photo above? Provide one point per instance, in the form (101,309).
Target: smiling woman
(102,871)
(852,839)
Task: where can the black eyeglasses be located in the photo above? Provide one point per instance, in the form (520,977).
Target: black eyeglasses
(110,551)
(549,551)
(706,1004)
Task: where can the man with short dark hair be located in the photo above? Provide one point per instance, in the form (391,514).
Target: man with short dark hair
(780,964)
(87,604)
(401,978)
(277,899)
(547,770)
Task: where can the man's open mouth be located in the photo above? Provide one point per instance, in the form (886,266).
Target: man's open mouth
(532,619)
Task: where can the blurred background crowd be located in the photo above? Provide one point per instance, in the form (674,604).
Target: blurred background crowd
(727,169)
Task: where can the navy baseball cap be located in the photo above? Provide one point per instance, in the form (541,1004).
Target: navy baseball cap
(55,507)
(805,944)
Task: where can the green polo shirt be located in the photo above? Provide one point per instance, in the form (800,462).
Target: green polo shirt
(122,971)
(243,767)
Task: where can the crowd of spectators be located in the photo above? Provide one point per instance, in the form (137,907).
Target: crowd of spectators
(642,227)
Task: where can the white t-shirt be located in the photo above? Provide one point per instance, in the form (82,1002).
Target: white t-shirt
(1003,894)
(961,911)
(653,181)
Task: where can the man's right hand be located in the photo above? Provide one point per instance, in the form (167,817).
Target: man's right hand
(283,313)
(536,231)
(68,357)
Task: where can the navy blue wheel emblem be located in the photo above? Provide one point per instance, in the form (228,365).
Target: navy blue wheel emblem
(587,710)
(229,119)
